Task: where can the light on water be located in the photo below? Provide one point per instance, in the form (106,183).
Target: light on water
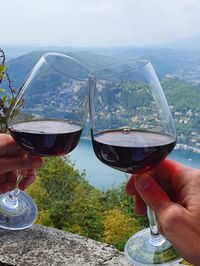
(126,131)
(187,158)
(104,177)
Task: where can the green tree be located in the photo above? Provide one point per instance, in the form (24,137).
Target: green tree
(118,227)
(6,98)
(57,182)
(39,194)
(65,199)
(86,212)
(116,197)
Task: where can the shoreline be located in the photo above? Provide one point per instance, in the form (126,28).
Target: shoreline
(185,147)
(179,146)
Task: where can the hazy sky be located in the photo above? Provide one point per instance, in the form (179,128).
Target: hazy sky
(97,22)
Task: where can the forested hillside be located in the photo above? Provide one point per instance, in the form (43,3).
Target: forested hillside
(184,102)
(183,97)
(66,201)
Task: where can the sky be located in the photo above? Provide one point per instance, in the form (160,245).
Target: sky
(97,23)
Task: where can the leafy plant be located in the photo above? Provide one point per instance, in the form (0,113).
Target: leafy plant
(118,227)
(5,97)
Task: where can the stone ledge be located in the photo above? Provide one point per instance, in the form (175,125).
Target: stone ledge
(39,245)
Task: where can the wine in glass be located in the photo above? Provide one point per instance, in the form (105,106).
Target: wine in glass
(132,130)
(45,119)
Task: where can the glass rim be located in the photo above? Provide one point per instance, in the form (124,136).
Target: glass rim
(58,54)
(137,65)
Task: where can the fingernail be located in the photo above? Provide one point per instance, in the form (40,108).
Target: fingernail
(143,182)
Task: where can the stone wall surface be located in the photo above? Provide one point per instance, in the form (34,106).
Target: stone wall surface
(39,245)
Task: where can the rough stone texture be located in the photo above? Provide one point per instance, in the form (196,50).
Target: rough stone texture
(41,245)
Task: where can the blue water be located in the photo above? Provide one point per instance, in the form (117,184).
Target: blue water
(104,177)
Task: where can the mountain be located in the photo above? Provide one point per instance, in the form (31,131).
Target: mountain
(180,58)
(20,67)
(190,43)
(15,51)
(166,62)
(184,65)
(173,67)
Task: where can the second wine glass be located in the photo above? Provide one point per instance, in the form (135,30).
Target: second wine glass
(45,119)
(132,131)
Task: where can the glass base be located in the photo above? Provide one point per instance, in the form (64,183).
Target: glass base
(17,213)
(140,251)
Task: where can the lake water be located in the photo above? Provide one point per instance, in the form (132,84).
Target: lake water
(104,177)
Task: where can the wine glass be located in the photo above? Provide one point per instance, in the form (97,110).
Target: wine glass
(45,119)
(133,130)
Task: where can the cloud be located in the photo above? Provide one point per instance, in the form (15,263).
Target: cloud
(97,22)
(99,8)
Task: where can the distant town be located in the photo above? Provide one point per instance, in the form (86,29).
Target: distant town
(177,70)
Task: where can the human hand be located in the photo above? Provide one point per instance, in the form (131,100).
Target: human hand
(174,195)
(12,158)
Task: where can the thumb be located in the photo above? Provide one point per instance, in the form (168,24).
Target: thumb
(22,162)
(152,194)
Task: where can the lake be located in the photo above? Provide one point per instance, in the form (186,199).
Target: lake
(104,177)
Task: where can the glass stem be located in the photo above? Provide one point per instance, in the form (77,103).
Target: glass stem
(156,238)
(14,193)
(11,200)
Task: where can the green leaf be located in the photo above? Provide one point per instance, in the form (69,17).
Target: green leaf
(2,71)
(2,68)
(10,101)
(4,98)
(2,90)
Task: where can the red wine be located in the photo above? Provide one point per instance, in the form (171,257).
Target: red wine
(46,137)
(132,151)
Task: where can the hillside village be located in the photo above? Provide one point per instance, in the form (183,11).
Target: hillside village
(178,72)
